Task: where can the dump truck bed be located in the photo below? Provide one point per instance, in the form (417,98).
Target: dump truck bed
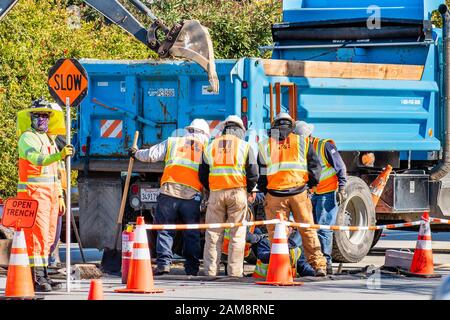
(373,109)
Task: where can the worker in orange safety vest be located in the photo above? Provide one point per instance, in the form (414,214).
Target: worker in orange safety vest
(229,170)
(331,188)
(180,193)
(38,180)
(288,168)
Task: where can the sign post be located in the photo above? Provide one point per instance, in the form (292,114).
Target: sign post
(68,85)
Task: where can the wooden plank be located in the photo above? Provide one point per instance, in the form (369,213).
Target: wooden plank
(344,70)
(278,97)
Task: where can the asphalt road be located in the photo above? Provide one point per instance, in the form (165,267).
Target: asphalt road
(360,286)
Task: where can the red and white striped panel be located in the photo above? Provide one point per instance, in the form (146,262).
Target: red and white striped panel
(214,132)
(111,128)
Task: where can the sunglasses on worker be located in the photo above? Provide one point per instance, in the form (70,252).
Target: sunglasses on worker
(40,115)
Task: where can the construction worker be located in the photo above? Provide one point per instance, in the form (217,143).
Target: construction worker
(38,180)
(180,193)
(331,185)
(261,246)
(288,167)
(248,241)
(230,172)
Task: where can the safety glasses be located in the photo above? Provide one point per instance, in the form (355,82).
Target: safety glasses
(41,115)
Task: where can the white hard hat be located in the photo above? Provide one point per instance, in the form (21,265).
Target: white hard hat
(200,125)
(234,119)
(283,116)
(303,129)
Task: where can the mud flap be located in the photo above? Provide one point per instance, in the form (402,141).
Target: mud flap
(194,43)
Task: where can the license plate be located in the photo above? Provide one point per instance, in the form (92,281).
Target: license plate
(149,195)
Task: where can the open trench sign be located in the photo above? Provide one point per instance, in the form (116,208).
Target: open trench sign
(20,213)
(68,79)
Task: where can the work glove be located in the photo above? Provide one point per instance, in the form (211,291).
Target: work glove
(341,195)
(251,198)
(132,152)
(68,150)
(62,206)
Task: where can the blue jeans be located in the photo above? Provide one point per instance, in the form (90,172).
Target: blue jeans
(325,211)
(167,212)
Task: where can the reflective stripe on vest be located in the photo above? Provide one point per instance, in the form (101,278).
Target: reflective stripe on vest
(286,162)
(36,175)
(183,158)
(328,178)
(227,156)
(226,243)
(260,270)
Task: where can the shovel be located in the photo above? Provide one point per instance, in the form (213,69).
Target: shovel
(112,258)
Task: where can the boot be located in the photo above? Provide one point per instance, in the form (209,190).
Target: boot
(40,284)
(329,268)
(53,284)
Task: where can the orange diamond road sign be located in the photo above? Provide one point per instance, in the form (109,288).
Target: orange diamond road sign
(68,79)
(19,213)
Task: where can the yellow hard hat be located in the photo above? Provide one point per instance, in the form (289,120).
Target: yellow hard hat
(56,125)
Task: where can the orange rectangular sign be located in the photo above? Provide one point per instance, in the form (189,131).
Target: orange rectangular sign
(19,213)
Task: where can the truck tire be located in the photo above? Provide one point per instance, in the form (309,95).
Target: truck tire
(376,237)
(357,210)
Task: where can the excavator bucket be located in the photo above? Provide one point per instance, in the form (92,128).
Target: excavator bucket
(187,40)
(194,43)
(5,6)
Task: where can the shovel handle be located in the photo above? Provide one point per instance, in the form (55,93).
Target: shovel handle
(127,181)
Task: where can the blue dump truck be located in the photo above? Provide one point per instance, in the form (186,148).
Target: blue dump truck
(369,74)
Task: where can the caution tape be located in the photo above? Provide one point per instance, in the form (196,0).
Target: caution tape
(209,225)
(437,220)
(352,228)
(287,223)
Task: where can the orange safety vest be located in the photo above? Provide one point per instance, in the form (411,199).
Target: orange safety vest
(226,242)
(260,271)
(35,175)
(328,178)
(286,162)
(227,156)
(183,158)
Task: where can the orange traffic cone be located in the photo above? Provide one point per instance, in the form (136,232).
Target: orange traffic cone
(422,263)
(140,274)
(377,186)
(96,290)
(19,282)
(279,272)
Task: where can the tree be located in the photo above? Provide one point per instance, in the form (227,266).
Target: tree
(37,32)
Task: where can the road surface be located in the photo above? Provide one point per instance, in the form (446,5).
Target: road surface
(360,286)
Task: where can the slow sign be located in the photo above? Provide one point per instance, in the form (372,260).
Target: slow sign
(67,79)
(19,213)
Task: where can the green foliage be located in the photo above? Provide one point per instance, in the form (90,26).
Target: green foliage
(436,18)
(36,33)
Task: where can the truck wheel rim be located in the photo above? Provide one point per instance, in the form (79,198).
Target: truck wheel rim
(355,215)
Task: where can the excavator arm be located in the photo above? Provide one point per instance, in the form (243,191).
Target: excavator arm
(5,6)
(187,39)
